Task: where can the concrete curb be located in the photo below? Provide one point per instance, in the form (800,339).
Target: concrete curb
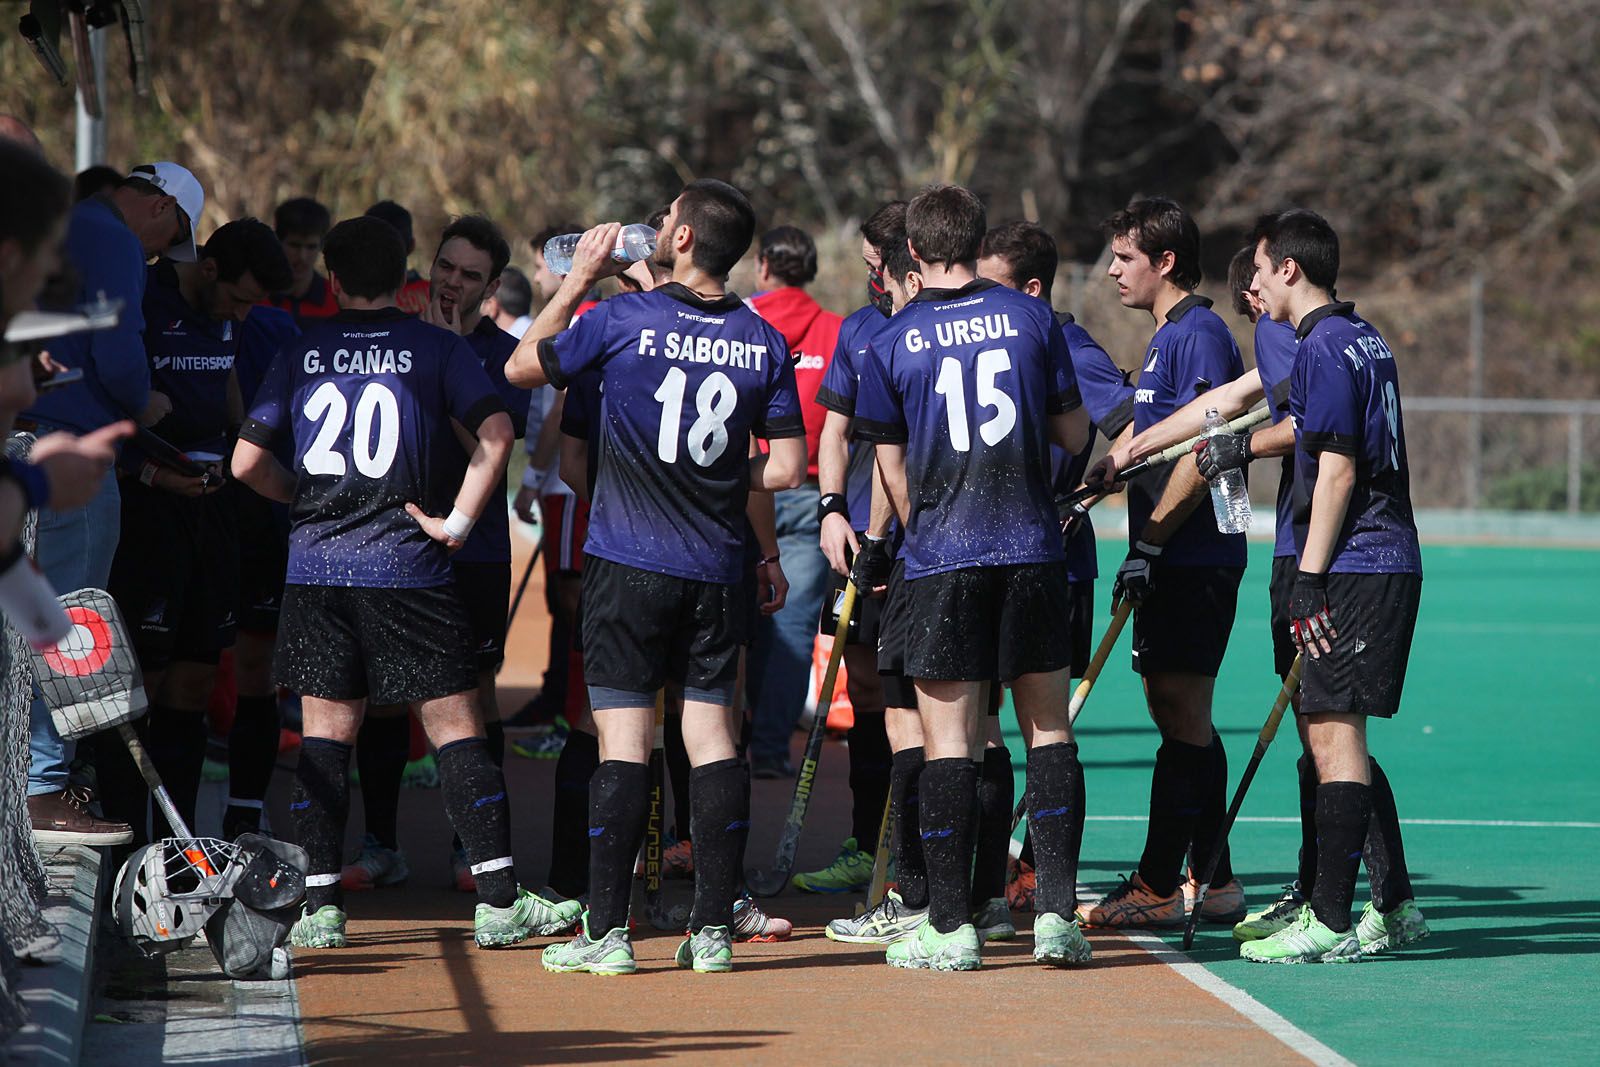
(59,994)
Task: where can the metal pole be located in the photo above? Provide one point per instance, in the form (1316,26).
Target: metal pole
(1574,462)
(1475,377)
(91,146)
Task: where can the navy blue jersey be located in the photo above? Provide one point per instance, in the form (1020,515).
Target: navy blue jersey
(1109,400)
(687,382)
(966,379)
(191,357)
(263,333)
(1275,349)
(1192,344)
(580,412)
(838,393)
(1344,397)
(367,398)
(490,540)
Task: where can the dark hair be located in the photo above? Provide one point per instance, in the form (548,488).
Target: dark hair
(886,225)
(896,256)
(1157,226)
(658,216)
(539,239)
(368,256)
(249,245)
(1029,252)
(300,216)
(1305,237)
(723,223)
(481,234)
(946,224)
(95,179)
(395,216)
(37,195)
(1241,272)
(515,293)
(790,253)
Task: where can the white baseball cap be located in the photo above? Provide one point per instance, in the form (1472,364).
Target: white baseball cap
(178,183)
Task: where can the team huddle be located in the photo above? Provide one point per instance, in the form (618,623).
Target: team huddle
(958,409)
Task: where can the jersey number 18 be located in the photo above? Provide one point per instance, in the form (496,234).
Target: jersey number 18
(714,401)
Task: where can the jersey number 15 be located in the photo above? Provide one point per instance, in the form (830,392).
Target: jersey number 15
(992,362)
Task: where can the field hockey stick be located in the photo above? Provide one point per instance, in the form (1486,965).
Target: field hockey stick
(1244,423)
(1263,740)
(770,882)
(1101,654)
(656,911)
(522,586)
(880,861)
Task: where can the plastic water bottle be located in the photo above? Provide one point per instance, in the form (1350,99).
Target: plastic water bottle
(636,241)
(1230,495)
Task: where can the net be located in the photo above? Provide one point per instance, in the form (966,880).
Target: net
(91,680)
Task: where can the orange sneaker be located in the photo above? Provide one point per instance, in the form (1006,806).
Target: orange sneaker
(1020,884)
(678,861)
(1224,903)
(1133,904)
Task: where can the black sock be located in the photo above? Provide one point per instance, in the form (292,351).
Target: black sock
(678,771)
(1055,803)
(949,796)
(1385,852)
(870,764)
(1343,811)
(1177,788)
(910,865)
(619,806)
(569,815)
(495,735)
(120,788)
(997,795)
(1212,813)
(475,799)
(1026,855)
(720,827)
(319,807)
(382,745)
(178,749)
(252,753)
(1308,824)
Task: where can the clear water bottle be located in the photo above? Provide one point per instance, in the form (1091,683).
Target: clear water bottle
(636,241)
(1230,494)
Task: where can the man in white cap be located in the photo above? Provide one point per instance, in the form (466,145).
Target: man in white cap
(153,211)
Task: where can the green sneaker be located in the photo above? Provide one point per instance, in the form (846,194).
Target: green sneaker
(1264,922)
(993,920)
(612,954)
(709,951)
(887,923)
(323,928)
(1380,933)
(1059,941)
(530,915)
(421,773)
(1306,940)
(850,872)
(930,950)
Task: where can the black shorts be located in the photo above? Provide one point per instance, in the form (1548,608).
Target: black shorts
(863,620)
(485,591)
(1376,616)
(263,560)
(642,629)
(894,624)
(176,574)
(387,646)
(1080,602)
(982,623)
(1183,627)
(1279,590)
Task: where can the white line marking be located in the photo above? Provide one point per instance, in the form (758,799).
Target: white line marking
(1240,1001)
(1523,823)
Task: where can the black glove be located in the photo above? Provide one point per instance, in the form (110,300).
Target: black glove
(1221,453)
(872,565)
(1073,516)
(1134,577)
(1310,620)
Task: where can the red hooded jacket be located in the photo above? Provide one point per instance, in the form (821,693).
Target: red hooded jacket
(812,332)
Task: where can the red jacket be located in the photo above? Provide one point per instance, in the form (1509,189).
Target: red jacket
(812,333)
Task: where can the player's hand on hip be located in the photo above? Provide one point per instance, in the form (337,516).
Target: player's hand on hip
(591,260)
(839,543)
(433,527)
(870,571)
(1310,618)
(1221,453)
(526,505)
(1135,577)
(772,586)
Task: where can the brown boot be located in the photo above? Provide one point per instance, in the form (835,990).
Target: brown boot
(64,818)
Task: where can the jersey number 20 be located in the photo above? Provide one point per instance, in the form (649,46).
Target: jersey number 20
(714,401)
(327,407)
(992,362)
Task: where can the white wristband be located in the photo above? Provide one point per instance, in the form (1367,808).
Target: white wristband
(458,525)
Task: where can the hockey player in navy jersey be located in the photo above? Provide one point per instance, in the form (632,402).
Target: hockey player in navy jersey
(373,400)
(963,393)
(689,373)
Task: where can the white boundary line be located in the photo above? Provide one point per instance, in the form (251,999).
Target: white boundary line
(1240,1001)
(1523,823)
